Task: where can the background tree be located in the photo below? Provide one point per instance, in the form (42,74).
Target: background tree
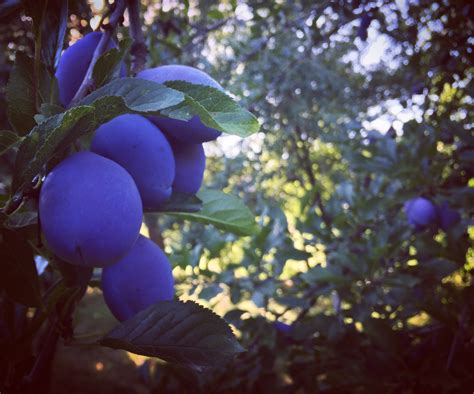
(347,140)
(364,105)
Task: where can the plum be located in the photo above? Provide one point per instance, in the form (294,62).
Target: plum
(90,210)
(138,280)
(284,328)
(365,20)
(193,130)
(141,148)
(447,216)
(73,65)
(420,212)
(190,164)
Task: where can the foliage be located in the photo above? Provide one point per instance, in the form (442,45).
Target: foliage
(374,304)
(369,298)
(44,134)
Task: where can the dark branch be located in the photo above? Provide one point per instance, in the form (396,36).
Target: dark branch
(201,35)
(457,337)
(139,49)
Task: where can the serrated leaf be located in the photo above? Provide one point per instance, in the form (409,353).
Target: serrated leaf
(223,211)
(109,63)
(43,141)
(181,202)
(19,278)
(214,108)
(126,95)
(50,109)
(7,140)
(179,332)
(137,95)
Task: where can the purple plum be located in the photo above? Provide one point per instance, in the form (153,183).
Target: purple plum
(420,212)
(190,164)
(447,216)
(73,65)
(141,148)
(193,130)
(138,280)
(283,327)
(90,210)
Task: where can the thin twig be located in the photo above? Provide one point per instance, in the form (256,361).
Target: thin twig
(139,50)
(202,33)
(87,82)
(457,336)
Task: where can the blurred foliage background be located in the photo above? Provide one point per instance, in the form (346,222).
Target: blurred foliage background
(363,105)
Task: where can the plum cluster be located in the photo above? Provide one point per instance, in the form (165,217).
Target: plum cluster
(91,204)
(422,213)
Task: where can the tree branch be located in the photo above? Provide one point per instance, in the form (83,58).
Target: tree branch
(139,50)
(115,18)
(457,337)
(39,374)
(307,166)
(201,34)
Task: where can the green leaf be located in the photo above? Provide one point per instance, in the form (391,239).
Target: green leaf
(109,63)
(7,140)
(20,93)
(223,211)
(57,132)
(180,332)
(181,202)
(133,95)
(402,280)
(48,110)
(19,278)
(42,143)
(382,335)
(292,302)
(210,291)
(214,108)
(127,95)
(324,274)
(215,14)
(439,268)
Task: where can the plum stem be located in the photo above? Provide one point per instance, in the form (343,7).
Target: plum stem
(114,19)
(139,49)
